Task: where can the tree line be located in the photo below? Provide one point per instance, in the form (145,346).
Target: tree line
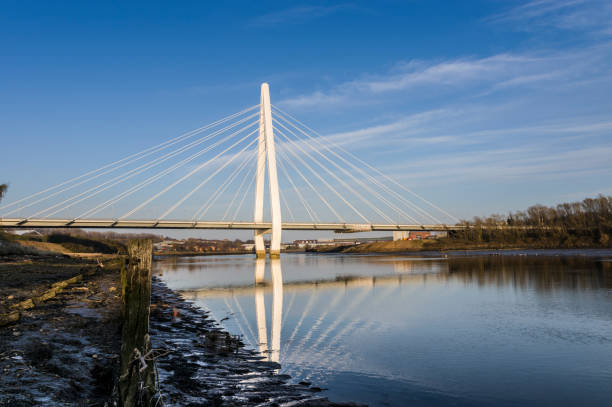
(587,223)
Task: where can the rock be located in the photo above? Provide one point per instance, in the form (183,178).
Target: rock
(9,318)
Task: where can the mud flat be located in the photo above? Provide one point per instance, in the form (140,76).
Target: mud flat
(64,347)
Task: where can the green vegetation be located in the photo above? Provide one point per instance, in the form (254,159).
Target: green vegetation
(568,225)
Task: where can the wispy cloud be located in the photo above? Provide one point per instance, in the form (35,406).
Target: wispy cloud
(498,165)
(589,16)
(297,15)
(481,75)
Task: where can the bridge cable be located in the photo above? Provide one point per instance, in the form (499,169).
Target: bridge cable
(157,176)
(368,176)
(327,184)
(238,190)
(251,184)
(282,196)
(356,180)
(131,173)
(183,199)
(309,210)
(131,158)
(368,165)
(189,174)
(213,198)
(124,177)
(342,182)
(281,152)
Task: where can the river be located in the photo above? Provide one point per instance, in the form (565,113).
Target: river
(529,328)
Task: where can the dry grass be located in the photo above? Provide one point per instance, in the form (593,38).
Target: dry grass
(44,246)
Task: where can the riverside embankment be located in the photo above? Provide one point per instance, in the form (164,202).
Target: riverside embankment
(65,345)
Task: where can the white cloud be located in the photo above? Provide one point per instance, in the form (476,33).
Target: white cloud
(588,16)
(496,165)
(477,76)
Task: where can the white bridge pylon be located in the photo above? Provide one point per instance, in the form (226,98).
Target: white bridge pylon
(267,153)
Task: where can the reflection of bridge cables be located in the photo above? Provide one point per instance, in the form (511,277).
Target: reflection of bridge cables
(313,295)
(343,183)
(348,174)
(349,328)
(346,330)
(136,171)
(318,322)
(288,309)
(244,318)
(357,301)
(290,119)
(342,316)
(124,161)
(239,324)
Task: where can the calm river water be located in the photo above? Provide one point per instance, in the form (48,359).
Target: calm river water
(399,330)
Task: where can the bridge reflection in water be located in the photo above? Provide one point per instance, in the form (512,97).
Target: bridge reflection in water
(383,329)
(329,312)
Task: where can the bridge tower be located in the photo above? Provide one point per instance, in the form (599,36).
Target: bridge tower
(267,153)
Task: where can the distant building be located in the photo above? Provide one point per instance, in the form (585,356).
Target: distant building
(248,246)
(413,235)
(304,243)
(164,245)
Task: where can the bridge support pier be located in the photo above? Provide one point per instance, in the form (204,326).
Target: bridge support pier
(267,153)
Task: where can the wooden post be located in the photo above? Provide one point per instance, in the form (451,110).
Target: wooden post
(137,380)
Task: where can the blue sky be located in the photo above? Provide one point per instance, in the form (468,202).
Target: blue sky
(481,106)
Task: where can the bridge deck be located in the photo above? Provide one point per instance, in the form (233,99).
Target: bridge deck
(178,224)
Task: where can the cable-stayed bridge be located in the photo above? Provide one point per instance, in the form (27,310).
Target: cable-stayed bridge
(205,179)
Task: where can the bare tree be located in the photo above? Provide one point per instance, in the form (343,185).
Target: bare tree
(3,188)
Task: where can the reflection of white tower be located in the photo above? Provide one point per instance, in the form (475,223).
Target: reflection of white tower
(266,152)
(273,348)
(277,308)
(260,307)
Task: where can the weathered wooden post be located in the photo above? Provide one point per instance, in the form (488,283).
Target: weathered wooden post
(137,380)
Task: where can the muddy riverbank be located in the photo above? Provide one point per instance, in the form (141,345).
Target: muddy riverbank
(64,348)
